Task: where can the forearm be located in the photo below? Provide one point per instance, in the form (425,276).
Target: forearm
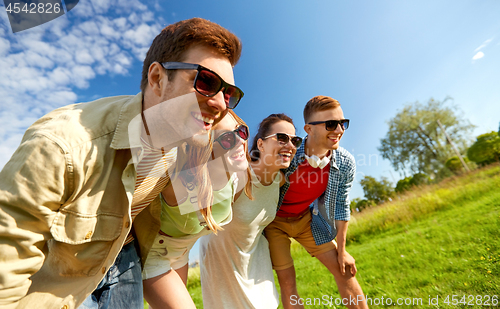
(31,189)
(341,234)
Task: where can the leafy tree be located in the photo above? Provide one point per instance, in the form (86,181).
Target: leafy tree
(420,179)
(455,165)
(403,185)
(415,143)
(377,191)
(354,204)
(358,204)
(363,204)
(412,181)
(486,149)
(443,173)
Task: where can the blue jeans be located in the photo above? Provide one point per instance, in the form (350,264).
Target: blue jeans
(121,287)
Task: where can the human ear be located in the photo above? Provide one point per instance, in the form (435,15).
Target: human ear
(260,144)
(308,129)
(156,77)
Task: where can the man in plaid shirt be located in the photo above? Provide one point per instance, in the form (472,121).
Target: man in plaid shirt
(314,206)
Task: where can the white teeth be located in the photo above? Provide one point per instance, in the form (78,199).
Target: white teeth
(204,119)
(286,154)
(238,154)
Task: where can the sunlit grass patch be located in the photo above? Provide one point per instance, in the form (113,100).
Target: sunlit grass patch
(436,241)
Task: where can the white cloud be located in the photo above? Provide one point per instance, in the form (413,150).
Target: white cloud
(478,55)
(485,43)
(84,57)
(40,68)
(81,75)
(4,46)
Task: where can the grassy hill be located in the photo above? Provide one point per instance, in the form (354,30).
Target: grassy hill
(434,242)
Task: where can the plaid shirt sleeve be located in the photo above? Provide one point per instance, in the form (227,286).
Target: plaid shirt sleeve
(347,167)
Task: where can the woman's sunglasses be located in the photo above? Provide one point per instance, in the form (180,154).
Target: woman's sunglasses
(284,138)
(331,125)
(228,140)
(208,83)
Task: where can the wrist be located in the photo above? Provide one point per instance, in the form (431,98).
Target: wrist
(341,241)
(341,249)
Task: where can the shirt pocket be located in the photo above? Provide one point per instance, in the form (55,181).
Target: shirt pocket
(81,243)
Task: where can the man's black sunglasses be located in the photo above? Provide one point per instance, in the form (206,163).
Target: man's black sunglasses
(208,83)
(331,125)
(284,138)
(228,140)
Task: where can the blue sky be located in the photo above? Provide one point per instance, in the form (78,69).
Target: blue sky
(372,56)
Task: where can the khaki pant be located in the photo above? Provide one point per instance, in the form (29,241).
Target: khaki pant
(279,232)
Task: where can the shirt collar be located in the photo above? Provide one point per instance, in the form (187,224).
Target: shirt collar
(301,154)
(128,129)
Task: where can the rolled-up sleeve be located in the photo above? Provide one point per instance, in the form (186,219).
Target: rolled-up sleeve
(33,186)
(342,202)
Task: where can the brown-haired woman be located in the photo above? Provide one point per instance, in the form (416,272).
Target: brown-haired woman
(236,269)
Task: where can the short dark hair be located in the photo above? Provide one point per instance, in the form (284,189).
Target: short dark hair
(317,104)
(175,40)
(264,129)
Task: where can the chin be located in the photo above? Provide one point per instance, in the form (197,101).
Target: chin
(244,166)
(334,146)
(284,164)
(237,166)
(198,140)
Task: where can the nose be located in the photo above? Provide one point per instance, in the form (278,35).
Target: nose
(289,144)
(339,128)
(239,141)
(217,102)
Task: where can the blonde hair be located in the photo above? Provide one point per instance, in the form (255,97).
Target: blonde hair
(198,164)
(248,185)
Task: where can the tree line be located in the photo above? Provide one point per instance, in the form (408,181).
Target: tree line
(425,144)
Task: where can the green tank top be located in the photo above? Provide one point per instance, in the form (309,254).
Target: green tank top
(182,220)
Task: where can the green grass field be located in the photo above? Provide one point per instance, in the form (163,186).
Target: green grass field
(421,249)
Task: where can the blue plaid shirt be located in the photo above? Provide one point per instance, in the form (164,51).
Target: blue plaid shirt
(334,203)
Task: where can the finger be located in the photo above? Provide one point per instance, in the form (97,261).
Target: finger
(354,270)
(342,268)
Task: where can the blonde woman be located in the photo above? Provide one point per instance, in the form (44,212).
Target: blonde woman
(183,222)
(236,269)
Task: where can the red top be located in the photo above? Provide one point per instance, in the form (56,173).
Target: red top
(306,185)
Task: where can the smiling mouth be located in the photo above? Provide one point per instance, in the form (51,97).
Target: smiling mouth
(334,138)
(285,156)
(239,154)
(206,122)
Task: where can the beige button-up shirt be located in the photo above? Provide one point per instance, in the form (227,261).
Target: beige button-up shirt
(65,200)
